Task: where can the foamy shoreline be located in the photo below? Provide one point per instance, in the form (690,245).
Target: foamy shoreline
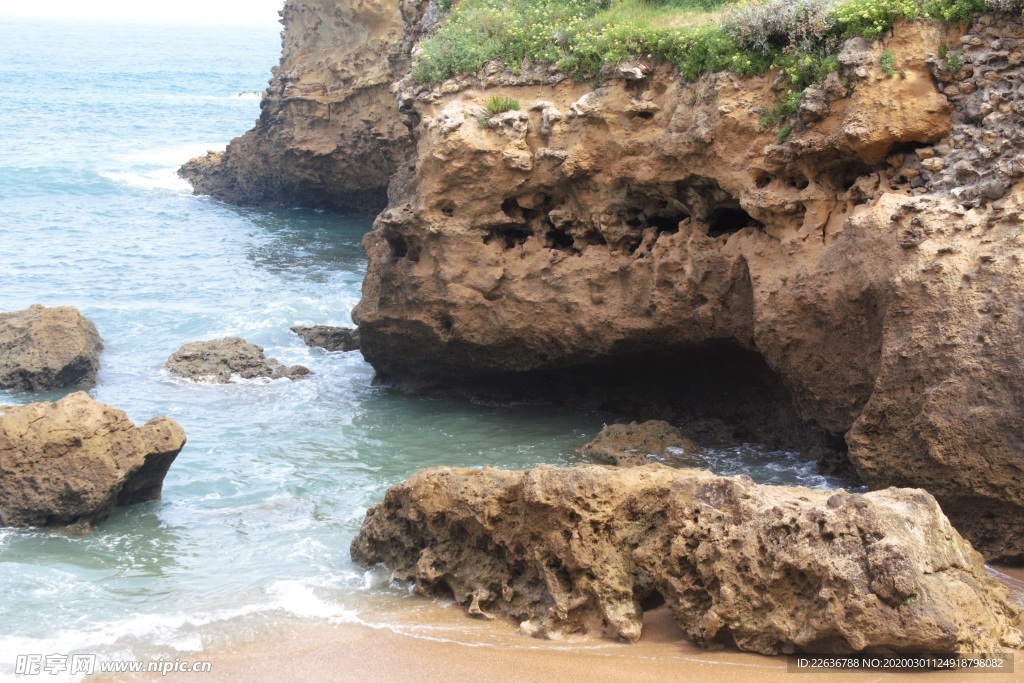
(436,641)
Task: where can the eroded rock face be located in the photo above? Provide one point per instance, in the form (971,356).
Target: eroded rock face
(770,569)
(73,461)
(329,134)
(221,360)
(658,219)
(630,445)
(329,338)
(48,348)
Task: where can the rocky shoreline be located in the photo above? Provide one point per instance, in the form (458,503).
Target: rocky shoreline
(646,245)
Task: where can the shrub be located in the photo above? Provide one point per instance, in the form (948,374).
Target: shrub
(777,25)
(799,38)
(888,63)
(954,62)
(500,104)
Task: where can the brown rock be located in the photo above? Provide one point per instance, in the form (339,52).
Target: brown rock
(330,338)
(71,462)
(221,360)
(769,569)
(329,134)
(629,445)
(48,348)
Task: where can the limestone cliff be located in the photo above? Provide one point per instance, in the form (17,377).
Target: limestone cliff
(329,134)
(651,218)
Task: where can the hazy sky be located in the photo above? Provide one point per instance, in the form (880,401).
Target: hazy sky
(239,12)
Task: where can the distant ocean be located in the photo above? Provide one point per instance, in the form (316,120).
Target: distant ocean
(261,505)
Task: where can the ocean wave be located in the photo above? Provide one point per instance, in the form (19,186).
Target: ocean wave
(170,156)
(179,631)
(161,179)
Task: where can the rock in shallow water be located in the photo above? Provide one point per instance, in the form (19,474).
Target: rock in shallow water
(48,348)
(221,359)
(330,338)
(770,569)
(73,461)
(629,445)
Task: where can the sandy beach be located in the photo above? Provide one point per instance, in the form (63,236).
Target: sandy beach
(423,640)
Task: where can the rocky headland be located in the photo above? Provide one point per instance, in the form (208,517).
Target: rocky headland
(328,134)
(72,462)
(48,348)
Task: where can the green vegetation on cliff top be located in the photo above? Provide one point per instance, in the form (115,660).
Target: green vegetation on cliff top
(799,38)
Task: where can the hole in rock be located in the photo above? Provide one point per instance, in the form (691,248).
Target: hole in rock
(559,239)
(508,236)
(798,182)
(399,247)
(447,207)
(645,115)
(512,209)
(846,174)
(667,224)
(762,181)
(651,600)
(725,220)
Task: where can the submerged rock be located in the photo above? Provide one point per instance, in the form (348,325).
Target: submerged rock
(48,348)
(73,461)
(330,338)
(632,444)
(770,569)
(220,360)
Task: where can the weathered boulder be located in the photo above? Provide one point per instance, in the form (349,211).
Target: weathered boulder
(221,360)
(633,444)
(330,338)
(73,461)
(769,569)
(48,348)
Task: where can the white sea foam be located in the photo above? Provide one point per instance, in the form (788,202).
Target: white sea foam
(169,157)
(160,179)
(179,632)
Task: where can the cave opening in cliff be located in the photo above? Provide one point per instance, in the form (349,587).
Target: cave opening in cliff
(721,392)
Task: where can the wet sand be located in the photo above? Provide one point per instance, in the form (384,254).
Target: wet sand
(426,641)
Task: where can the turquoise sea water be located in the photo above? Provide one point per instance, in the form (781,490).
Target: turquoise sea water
(260,506)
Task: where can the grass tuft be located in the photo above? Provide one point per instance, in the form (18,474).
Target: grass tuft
(500,104)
